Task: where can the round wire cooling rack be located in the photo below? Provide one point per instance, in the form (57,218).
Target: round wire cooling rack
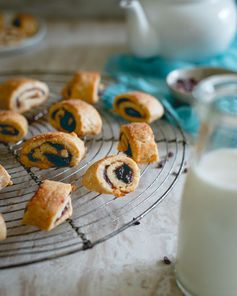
(95,217)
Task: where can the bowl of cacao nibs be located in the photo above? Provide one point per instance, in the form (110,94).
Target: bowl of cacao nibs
(182,82)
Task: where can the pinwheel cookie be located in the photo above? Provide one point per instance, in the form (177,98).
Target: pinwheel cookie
(22,94)
(54,149)
(3,228)
(116,174)
(137,141)
(13,127)
(84,85)
(138,106)
(26,23)
(5,178)
(50,206)
(75,116)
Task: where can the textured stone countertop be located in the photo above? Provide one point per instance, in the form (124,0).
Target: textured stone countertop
(130,263)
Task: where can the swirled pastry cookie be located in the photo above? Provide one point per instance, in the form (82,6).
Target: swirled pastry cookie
(84,85)
(137,141)
(50,206)
(54,149)
(13,127)
(26,23)
(116,174)
(138,106)
(75,116)
(5,178)
(3,228)
(22,94)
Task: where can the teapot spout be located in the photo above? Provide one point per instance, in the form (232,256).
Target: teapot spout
(143,39)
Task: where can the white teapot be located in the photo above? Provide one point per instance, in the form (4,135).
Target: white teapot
(180,29)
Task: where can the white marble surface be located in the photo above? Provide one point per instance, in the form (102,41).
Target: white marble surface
(130,263)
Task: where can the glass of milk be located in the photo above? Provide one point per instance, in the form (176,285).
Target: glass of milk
(207,241)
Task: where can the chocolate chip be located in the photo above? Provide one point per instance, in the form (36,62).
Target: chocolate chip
(160,164)
(166,260)
(170,154)
(185,170)
(136,222)
(87,244)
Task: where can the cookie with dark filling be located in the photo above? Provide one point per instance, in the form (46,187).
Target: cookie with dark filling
(116,174)
(50,206)
(5,178)
(54,149)
(138,106)
(137,141)
(22,94)
(75,116)
(3,228)
(84,86)
(25,23)
(13,127)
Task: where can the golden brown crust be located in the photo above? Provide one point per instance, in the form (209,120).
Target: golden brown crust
(3,228)
(26,23)
(139,136)
(87,119)
(2,21)
(149,107)
(39,145)
(12,120)
(47,204)
(5,178)
(11,92)
(84,86)
(94,179)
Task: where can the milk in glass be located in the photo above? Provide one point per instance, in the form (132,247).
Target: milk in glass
(206,262)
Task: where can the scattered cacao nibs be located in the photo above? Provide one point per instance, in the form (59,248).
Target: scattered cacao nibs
(185,170)
(136,222)
(160,165)
(87,245)
(166,260)
(170,154)
(186,85)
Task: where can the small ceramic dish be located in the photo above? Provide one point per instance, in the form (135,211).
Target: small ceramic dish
(182,82)
(24,43)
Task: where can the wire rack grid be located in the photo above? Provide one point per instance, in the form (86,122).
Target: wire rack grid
(96,217)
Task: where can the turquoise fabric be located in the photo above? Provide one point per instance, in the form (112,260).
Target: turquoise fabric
(133,73)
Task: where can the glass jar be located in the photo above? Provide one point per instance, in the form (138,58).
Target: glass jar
(207,241)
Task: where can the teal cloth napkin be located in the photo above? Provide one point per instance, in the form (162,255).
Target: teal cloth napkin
(148,75)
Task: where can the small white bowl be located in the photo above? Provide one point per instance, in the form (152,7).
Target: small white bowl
(198,73)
